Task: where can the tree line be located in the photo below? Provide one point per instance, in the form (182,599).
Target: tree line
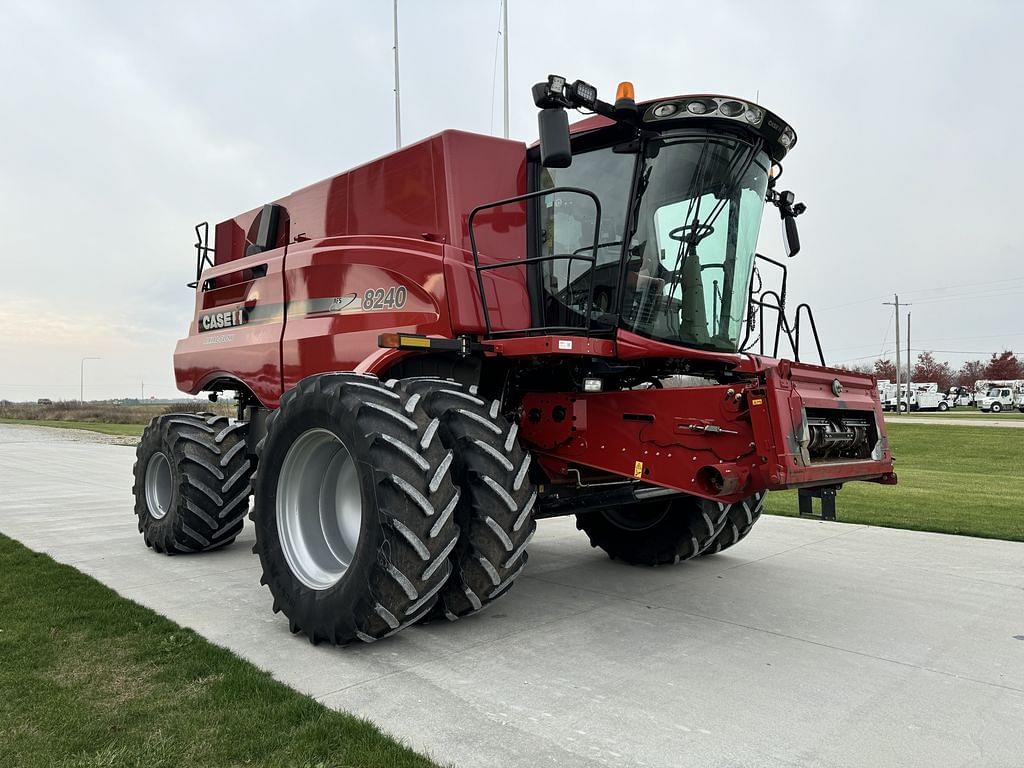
(1003,365)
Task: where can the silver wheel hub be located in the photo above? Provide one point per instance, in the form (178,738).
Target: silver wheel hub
(159,488)
(319,508)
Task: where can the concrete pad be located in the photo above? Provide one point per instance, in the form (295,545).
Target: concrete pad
(808,644)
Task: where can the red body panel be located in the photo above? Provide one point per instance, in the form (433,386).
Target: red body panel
(385,247)
(661,436)
(401,220)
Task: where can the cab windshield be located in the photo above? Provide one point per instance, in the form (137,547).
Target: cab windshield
(680,249)
(698,212)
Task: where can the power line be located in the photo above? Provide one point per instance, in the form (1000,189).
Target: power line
(929,299)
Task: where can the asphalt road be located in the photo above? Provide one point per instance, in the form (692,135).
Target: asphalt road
(809,644)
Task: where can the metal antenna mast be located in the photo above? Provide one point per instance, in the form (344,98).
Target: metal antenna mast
(504,43)
(398,95)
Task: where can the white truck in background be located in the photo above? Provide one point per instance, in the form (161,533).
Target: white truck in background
(922,397)
(957,396)
(997,396)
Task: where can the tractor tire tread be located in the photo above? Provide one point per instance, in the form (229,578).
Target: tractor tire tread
(409,566)
(211,489)
(741,518)
(492,472)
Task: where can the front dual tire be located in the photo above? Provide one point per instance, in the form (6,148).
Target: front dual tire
(354,511)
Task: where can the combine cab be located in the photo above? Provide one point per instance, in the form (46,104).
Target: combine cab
(434,350)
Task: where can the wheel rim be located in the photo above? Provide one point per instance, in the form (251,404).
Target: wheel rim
(634,518)
(319,508)
(158,486)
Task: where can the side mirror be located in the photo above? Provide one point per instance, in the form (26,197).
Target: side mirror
(790,235)
(555,151)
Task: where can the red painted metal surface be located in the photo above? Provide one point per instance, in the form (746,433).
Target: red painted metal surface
(662,436)
(251,352)
(400,220)
(318,300)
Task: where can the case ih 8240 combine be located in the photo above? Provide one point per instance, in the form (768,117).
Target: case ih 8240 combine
(433,350)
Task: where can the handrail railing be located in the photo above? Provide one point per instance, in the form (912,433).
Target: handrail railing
(570,257)
(782,325)
(203,251)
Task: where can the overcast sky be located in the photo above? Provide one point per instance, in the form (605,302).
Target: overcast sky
(122,124)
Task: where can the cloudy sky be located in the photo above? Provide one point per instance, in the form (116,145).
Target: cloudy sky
(122,124)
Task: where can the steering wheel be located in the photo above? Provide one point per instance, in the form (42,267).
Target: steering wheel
(697,232)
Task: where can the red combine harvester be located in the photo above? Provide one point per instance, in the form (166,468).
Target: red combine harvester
(433,350)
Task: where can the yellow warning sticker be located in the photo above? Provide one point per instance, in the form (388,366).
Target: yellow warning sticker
(756,401)
(638,470)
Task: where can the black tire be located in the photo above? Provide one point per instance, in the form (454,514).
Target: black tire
(400,561)
(207,487)
(740,518)
(657,532)
(497,497)
(996,407)
(903,407)
(943,407)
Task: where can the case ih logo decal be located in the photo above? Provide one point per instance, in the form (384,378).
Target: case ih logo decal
(216,321)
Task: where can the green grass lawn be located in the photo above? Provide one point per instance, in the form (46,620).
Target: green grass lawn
(952,479)
(93,426)
(88,678)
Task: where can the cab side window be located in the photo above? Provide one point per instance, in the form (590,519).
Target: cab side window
(567,227)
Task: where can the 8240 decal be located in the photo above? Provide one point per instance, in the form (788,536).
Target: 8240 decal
(390,298)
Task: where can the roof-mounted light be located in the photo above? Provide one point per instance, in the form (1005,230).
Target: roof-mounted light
(731,108)
(781,138)
(583,94)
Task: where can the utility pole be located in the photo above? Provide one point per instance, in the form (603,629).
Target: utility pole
(896,303)
(398,95)
(504,43)
(81,378)
(908,362)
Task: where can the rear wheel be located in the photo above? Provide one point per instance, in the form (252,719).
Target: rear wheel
(655,532)
(740,518)
(943,406)
(354,511)
(497,497)
(192,482)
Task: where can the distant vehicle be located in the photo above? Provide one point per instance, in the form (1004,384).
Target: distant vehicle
(932,401)
(957,396)
(923,397)
(1002,395)
(44,401)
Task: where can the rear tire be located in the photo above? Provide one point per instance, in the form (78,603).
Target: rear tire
(497,497)
(354,510)
(740,518)
(943,407)
(192,482)
(655,532)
